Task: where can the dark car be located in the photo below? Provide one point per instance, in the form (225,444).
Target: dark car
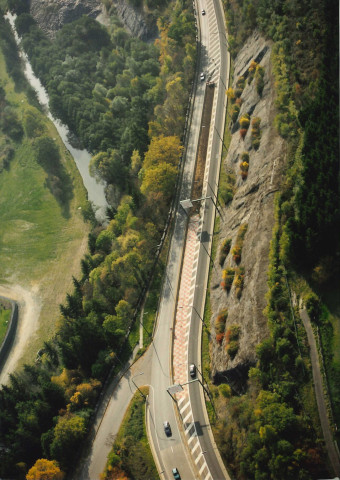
(192,370)
(167,429)
(176,474)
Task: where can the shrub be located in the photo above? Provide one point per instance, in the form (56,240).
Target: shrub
(232,336)
(241,233)
(245,121)
(219,338)
(255,132)
(244,166)
(245,157)
(239,282)
(234,112)
(251,70)
(239,101)
(256,122)
(238,92)
(220,325)
(225,249)
(240,82)
(259,82)
(256,144)
(227,278)
(243,132)
(232,349)
(225,390)
(231,94)
(236,252)
(235,331)
(313,306)
(226,187)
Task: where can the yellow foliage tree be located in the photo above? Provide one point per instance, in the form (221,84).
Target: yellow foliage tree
(45,470)
(163,150)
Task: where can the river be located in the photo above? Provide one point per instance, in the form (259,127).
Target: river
(95,189)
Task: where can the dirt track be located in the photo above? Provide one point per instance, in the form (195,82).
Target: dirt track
(29,305)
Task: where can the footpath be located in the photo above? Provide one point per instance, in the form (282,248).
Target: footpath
(332,450)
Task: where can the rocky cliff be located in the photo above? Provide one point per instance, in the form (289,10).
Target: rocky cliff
(139,23)
(51,15)
(252,205)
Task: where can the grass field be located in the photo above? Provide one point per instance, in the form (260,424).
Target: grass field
(40,249)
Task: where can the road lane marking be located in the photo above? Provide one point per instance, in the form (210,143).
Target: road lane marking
(186,418)
(195,447)
(203,467)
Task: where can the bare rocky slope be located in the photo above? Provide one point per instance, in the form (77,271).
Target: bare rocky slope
(253,204)
(51,15)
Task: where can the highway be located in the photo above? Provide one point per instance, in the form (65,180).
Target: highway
(171,452)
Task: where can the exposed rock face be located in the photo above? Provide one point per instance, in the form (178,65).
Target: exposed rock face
(253,204)
(136,21)
(51,15)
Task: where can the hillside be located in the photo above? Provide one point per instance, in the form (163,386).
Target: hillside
(272,243)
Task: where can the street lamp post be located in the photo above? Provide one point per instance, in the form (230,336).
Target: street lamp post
(217,200)
(219,136)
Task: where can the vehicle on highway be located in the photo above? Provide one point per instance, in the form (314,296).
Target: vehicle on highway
(202,76)
(176,474)
(167,429)
(192,370)
(203,12)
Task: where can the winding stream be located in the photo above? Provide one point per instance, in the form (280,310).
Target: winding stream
(95,189)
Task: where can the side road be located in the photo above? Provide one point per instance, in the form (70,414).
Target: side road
(110,414)
(318,386)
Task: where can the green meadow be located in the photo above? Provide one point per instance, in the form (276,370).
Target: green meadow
(41,243)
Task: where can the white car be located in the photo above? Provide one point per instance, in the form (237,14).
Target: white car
(192,370)
(203,12)
(202,76)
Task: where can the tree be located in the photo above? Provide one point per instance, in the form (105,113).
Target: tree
(68,434)
(163,150)
(33,125)
(109,167)
(47,152)
(158,182)
(45,470)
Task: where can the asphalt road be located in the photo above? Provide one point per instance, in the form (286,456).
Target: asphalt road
(170,451)
(217,128)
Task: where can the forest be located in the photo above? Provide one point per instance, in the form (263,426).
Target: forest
(126,102)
